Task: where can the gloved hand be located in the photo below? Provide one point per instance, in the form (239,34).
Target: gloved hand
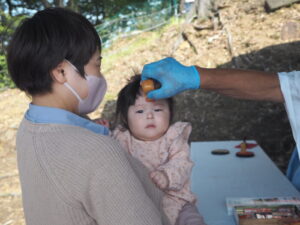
(173,76)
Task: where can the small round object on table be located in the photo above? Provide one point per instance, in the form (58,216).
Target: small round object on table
(244,154)
(220,152)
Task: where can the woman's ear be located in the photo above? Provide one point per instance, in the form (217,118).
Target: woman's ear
(58,73)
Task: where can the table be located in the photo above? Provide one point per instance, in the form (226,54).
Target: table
(217,177)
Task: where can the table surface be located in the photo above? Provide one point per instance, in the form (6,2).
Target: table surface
(217,177)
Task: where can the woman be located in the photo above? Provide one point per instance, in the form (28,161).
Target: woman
(70,171)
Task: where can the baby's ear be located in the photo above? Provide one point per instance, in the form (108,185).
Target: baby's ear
(58,73)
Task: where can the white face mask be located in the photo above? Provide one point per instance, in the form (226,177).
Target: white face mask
(96,90)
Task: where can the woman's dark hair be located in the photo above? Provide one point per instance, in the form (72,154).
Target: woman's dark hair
(127,97)
(43,41)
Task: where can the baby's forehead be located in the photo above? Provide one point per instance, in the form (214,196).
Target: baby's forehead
(141,100)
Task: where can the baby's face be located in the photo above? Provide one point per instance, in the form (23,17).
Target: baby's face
(148,121)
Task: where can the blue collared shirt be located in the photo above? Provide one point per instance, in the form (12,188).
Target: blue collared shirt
(44,114)
(293,171)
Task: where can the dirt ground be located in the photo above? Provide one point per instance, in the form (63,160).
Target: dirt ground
(246,37)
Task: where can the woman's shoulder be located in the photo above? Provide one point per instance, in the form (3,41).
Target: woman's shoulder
(82,135)
(69,142)
(90,141)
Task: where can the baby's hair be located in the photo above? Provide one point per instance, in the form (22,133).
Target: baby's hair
(127,97)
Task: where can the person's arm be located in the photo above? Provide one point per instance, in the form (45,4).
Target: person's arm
(179,166)
(115,194)
(243,84)
(177,169)
(175,78)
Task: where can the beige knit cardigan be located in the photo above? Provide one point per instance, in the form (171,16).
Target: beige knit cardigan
(72,176)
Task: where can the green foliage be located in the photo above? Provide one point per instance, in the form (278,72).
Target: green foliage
(143,16)
(5,81)
(117,17)
(7,27)
(95,10)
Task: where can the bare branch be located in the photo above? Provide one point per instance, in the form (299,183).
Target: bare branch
(185,38)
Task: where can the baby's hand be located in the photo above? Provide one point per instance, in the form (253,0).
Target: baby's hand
(159,179)
(102,122)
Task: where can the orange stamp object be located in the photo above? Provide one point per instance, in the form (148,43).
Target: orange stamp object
(243,152)
(148,85)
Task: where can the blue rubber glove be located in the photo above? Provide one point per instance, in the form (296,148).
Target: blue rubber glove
(173,77)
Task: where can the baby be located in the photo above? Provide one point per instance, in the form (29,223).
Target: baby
(146,132)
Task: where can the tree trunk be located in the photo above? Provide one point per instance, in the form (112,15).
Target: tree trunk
(204,8)
(59,3)
(73,4)
(181,6)
(46,4)
(10,7)
(174,8)
(99,10)
(103,11)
